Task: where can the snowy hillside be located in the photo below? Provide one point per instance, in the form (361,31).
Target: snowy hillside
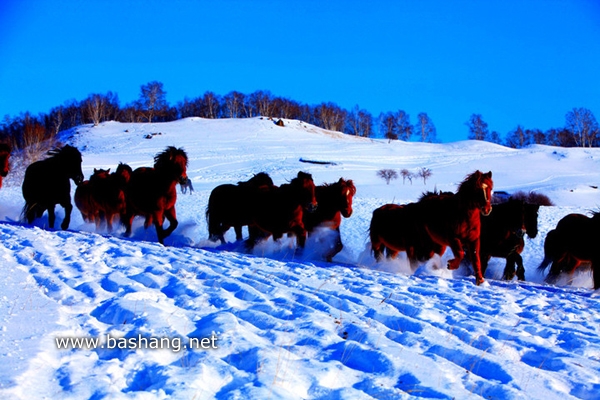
(276,326)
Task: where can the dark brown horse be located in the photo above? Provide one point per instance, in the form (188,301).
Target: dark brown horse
(152,192)
(84,196)
(5,151)
(280,210)
(395,228)
(335,201)
(46,184)
(502,235)
(232,206)
(575,240)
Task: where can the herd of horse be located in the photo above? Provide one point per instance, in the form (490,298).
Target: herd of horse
(466,221)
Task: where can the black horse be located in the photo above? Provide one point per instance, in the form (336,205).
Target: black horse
(46,184)
(502,235)
(573,242)
(232,206)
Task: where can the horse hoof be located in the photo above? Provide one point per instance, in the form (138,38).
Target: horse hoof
(452,265)
(479,281)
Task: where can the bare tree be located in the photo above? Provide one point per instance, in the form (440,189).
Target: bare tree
(406,174)
(424,173)
(425,128)
(152,100)
(582,123)
(404,127)
(478,128)
(387,126)
(233,103)
(387,175)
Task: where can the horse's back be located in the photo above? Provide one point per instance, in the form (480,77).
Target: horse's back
(41,184)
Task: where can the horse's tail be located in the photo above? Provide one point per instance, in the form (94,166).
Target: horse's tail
(549,244)
(214,231)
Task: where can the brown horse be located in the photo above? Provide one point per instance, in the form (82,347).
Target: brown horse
(46,184)
(84,197)
(280,209)
(5,151)
(232,206)
(502,235)
(436,221)
(574,241)
(455,221)
(152,192)
(108,193)
(335,201)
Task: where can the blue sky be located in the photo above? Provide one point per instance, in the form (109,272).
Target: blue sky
(513,62)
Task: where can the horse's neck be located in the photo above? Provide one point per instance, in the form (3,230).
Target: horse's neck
(326,199)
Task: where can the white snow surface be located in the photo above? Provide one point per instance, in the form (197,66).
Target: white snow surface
(284,326)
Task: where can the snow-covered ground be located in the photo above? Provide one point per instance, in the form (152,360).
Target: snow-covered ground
(275,326)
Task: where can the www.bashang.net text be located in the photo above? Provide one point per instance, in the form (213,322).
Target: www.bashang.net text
(109,342)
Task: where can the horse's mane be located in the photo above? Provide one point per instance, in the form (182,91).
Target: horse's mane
(436,193)
(301,176)
(168,155)
(65,151)
(470,183)
(348,183)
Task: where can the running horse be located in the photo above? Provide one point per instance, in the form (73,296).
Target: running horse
(47,183)
(574,241)
(152,192)
(5,151)
(335,201)
(436,221)
(502,235)
(455,220)
(280,210)
(232,206)
(395,228)
(108,194)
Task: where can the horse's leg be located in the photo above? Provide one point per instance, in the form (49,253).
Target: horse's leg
(459,253)
(127,220)
(596,272)
(484,259)
(509,267)
(68,209)
(51,216)
(158,219)
(254,236)
(171,216)
(109,220)
(474,249)
(520,267)
(337,247)
(238,232)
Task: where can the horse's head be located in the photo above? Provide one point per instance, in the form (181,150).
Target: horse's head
(124,171)
(69,159)
(347,192)
(477,189)
(173,163)
(261,179)
(306,190)
(4,159)
(487,186)
(531,219)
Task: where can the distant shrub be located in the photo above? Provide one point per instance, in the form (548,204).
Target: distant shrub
(424,173)
(387,175)
(406,174)
(532,198)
